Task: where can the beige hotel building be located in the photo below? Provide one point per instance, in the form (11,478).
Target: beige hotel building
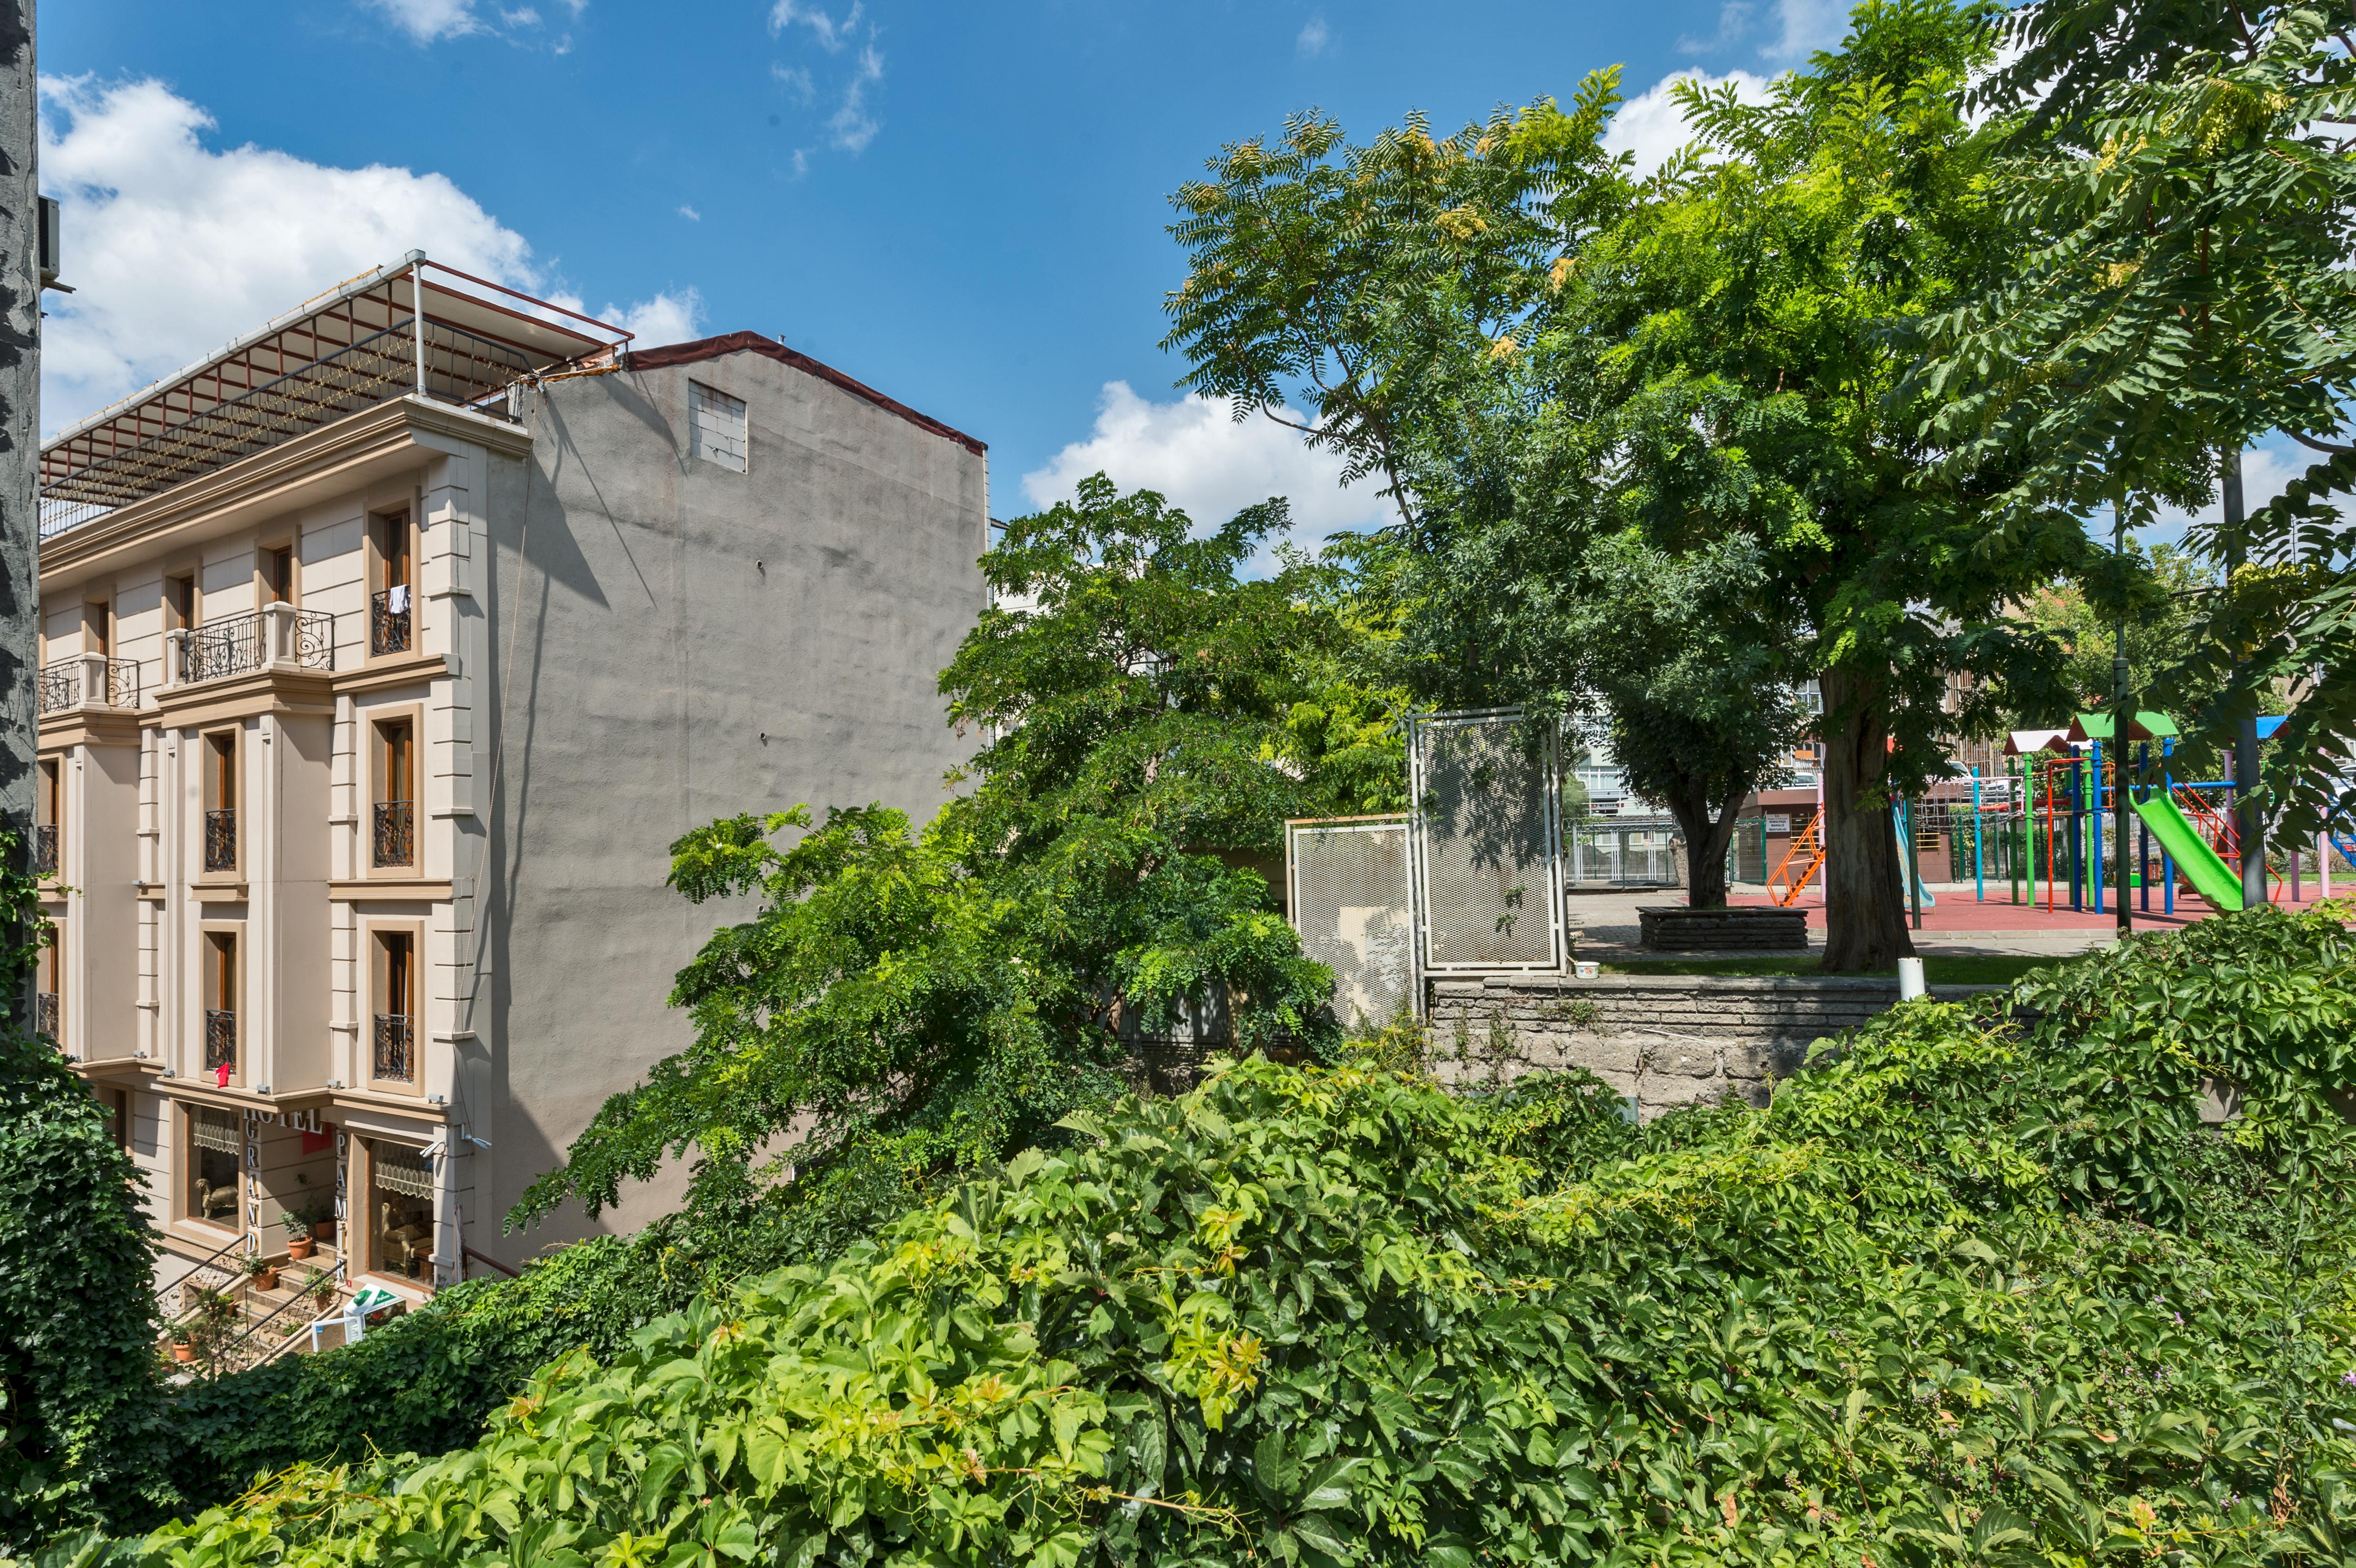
(385,654)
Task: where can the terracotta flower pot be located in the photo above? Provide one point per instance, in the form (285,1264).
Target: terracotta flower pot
(266,1280)
(300,1246)
(324,1231)
(183,1352)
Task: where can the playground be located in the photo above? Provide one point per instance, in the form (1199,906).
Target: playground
(2033,852)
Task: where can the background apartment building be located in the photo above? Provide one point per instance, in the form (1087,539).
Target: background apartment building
(386,652)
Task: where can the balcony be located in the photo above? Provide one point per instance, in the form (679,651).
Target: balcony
(221,1039)
(45,1014)
(394,1056)
(45,850)
(89,679)
(276,636)
(395,838)
(221,839)
(389,614)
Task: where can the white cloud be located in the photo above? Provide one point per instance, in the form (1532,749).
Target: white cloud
(1313,37)
(852,126)
(689,213)
(1805,27)
(2267,470)
(177,248)
(801,162)
(796,80)
(1653,125)
(427,20)
(1208,465)
(666,318)
(831,34)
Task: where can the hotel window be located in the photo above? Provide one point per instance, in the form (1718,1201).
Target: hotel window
(219,762)
(98,626)
(399,1210)
(393,1035)
(220,989)
(215,1149)
(179,602)
(278,575)
(49,815)
(715,426)
(47,1015)
(394,830)
(392,606)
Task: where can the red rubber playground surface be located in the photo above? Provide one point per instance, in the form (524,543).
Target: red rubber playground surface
(1957,911)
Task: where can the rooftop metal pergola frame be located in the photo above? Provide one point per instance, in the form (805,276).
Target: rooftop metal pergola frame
(416,328)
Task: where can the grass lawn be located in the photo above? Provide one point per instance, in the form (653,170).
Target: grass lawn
(1955,969)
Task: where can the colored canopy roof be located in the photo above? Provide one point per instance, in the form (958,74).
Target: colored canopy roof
(2144,725)
(2022,741)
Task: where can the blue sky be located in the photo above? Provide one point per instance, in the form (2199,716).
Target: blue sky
(961,205)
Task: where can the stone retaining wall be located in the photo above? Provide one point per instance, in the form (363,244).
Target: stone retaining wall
(1662,1040)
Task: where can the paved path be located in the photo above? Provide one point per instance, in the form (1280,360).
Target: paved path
(1958,923)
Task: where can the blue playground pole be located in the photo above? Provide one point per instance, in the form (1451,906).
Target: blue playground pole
(1979,871)
(2077,834)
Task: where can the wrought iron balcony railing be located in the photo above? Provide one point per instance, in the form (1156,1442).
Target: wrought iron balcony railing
(65,681)
(45,1014)
(237,644)
(221,839)
(389,624)
(394,1056)
(45,850)
(221,1039)
(396,834)
(60,685)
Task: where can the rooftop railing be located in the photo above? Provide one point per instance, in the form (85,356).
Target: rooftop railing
(458,366)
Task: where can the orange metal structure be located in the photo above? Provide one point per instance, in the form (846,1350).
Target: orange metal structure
(1784,887)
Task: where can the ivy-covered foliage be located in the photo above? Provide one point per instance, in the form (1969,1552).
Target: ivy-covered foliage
(1334,1315)
(80,1431)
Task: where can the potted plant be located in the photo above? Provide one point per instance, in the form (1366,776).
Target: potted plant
(323,1225)
(299,1243)
(323,1292)
(183,1347)
(262,1272)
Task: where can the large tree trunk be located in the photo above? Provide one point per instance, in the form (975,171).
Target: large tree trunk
(1865,910)
(1706,843)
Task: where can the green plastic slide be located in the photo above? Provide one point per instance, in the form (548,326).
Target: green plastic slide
(2203,866)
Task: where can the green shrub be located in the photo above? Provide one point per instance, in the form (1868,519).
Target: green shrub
(1323,1316)
(81,1438)
(426,1382)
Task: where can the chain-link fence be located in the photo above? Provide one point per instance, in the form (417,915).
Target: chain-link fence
(1487,870)
(1346,885)
(1641,851)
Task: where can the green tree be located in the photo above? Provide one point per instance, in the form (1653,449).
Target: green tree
(1544,355)
(2186,204)
(81,1438)
(907,1005)
(2163,611)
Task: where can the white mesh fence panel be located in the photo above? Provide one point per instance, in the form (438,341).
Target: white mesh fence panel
(1486,842)
(1351,903)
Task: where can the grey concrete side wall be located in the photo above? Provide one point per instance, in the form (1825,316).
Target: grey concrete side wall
(1663,1041)
(688,642)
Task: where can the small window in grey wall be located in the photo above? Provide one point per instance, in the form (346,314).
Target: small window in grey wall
(715,424)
